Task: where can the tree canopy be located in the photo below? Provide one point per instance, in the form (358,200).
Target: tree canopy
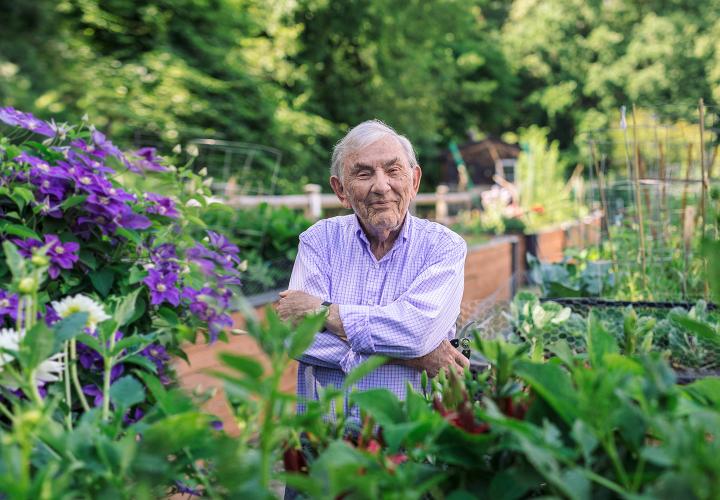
(296,75)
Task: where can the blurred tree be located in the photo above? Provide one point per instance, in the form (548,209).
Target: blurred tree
(430,69)
(296,74)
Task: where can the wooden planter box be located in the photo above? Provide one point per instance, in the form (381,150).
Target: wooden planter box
(490,272)
(549,244)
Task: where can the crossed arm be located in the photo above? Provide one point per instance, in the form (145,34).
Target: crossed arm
(412,329)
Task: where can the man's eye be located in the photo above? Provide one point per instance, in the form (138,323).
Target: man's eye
(363,175)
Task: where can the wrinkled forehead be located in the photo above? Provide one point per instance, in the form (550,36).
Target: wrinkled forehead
(378,153)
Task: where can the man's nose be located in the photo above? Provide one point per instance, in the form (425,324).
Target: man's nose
(382,182)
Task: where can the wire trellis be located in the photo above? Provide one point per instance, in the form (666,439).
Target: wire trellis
(652,177)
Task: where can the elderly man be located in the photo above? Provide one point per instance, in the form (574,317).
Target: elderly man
(392,283)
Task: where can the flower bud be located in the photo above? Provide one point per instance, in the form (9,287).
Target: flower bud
(39,260)
(28,285)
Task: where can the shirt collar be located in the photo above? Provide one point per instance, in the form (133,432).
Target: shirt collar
(403,236)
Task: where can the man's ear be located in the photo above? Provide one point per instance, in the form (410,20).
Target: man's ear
(417,175)
(340,192)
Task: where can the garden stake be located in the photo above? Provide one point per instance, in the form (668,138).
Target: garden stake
(603,203)
(623,126)
(683,212)
(662,175)
(637,198)
(703,194)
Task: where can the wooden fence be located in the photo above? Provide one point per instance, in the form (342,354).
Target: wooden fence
(314,201)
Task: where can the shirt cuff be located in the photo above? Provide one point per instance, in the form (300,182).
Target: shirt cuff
(351,360)
(355,320)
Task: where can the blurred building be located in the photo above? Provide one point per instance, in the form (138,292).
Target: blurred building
(483,159)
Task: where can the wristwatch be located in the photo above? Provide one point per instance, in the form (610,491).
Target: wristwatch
(326,303)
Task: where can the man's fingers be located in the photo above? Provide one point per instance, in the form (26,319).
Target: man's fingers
(284,293)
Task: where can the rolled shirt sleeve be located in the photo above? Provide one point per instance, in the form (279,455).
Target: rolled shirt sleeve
(327,349)
(416,322)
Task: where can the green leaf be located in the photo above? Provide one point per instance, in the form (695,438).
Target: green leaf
(126,308)
(22,196)
(89,341)
(132,341)
(153,384)
(141,361)
(562,350)
(72,201)
(14,260)
(70,327)
(137,275)
(586,440)
(701,329)
(304,334)
(129,235)
(599,342)
(243,364)
(365,368)
(711,252)
(127,391)
(552,383)
(382,404)
(512,483)
(36,346)
(102,280)
(169,315)
(18,230)
(88,258)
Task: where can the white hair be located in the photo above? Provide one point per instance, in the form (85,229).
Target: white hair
(362,136)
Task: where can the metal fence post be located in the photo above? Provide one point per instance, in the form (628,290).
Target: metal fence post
(313,211)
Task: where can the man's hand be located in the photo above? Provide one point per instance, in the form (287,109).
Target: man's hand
(294,304)
(444,356)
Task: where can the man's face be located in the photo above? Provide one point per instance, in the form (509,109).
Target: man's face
(378,184)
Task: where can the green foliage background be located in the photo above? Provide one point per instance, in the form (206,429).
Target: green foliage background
(296,74)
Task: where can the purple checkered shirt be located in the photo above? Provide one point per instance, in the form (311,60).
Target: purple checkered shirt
(401,306)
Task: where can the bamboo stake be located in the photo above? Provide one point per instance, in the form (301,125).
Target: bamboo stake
(603,203)
(638,203)
(703,194)
(662,175)
(683,210)
(623,125)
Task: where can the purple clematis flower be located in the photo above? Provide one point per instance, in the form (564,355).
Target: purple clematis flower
(133,416)
(222,244)
(12,116)
(217,324)
(51,317)
(92,361)
(61,255)
(157,354)
(88,148)
(161,206)
(130,220)
(162,287)
(103,144)
(94,392)
(8,304)
(91,162)
(147,159)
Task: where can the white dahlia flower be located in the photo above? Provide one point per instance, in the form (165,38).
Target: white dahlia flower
(47,371)
(9,339)
(81,303)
